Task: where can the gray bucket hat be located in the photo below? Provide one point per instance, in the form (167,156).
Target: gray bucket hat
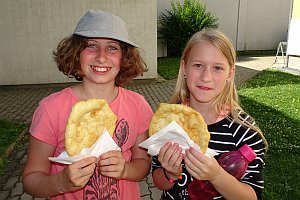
(96,23)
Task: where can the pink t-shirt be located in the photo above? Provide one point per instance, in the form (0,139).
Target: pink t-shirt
(134,115)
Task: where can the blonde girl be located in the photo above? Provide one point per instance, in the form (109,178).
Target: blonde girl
(206,84)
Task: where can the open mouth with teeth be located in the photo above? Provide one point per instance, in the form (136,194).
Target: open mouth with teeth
(204,88)
(100,69)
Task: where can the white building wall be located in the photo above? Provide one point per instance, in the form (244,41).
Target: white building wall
(267,23)
(228,15)
(31,30)
(250,24)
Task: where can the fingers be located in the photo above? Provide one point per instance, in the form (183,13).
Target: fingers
(193,173)
(199,165)
(193,159)
(85,162)
(170,156)
(164,148)
(192,164)
(177,164)
(112,164)
(110,154)
(76,175)
(111,158)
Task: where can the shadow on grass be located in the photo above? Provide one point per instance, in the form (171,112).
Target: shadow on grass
(271,78)
(249,55)
(243,74)
(281,172)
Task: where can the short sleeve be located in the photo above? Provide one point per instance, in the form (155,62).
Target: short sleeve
(41,127)
(144,116)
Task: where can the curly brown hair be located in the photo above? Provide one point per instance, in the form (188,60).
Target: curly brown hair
(67,57)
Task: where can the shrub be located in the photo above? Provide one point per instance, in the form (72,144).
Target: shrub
(181,22)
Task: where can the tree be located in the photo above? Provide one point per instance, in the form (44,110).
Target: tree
(181,22)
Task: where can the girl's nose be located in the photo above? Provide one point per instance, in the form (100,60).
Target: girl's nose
(206,74)
(101,55)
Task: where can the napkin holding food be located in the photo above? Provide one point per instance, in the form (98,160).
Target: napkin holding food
(177,123)
(104,144)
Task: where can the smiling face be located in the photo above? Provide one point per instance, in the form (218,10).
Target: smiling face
(207,71)
(100,61)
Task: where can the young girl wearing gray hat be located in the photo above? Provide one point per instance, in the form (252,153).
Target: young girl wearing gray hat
(100,55)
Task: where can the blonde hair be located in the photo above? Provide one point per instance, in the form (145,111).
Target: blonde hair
(228,98)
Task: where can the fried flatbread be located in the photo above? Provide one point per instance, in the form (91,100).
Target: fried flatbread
(86,122)
(189,119)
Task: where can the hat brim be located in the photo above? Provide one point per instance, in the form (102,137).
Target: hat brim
(105,34)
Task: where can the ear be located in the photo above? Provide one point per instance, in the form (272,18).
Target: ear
(231,74)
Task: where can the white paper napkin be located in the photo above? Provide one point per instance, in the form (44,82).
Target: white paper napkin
(171,133)
(104,144)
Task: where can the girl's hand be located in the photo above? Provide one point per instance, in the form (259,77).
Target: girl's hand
(112,164)
(200,166)
(170,157)
(76,175)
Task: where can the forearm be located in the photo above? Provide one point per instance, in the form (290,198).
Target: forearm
(137,169)
(39,184)
(232,189)
(161,181)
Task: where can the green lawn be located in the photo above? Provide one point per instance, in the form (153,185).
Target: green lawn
(9,133)
(273,99)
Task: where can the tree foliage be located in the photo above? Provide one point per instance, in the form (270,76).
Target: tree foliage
(181,22)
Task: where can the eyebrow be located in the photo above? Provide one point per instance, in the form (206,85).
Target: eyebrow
(111,41)
(220,63)
(201,61)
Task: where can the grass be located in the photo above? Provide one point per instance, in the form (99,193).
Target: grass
(257,53)
(273,99)
(9,134)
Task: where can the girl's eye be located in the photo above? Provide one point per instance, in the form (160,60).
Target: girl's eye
(218,68)
(92,46)
(198,66)
(112,48)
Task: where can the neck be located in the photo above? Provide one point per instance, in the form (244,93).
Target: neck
(205,110)
(89,91)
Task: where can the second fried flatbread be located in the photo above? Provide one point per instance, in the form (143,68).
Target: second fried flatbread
(189,119)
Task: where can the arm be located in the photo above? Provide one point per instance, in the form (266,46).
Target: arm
(113,164)
(230,188)
(204,168)
(170,158)
(37,169)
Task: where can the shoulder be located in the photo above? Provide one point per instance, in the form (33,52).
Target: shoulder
(231,134)
(233,125)
(133,97)
(130,94)
(57,98)
(58,102)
